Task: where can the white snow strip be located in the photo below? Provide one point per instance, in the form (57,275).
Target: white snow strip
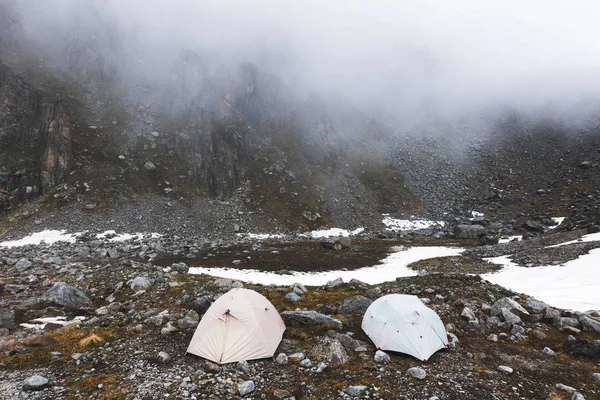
(410,224)
(391,267)
(477,214)
(510,239)
(573,285)
(261,236)
(558,220)
(47,237)
(335,232)
(41,322)
(592,237)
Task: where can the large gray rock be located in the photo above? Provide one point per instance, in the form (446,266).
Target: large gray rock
(63,294)
(23,264)
(7,318)
(382,357)
(292,297)
(331,350)
(468,231)
(302,318)
(511,306)
(35,383)
(245,388)
(589,349)
(535,306)
(335,283)
(200,305)
(509,317)
(355,305)
(589,324)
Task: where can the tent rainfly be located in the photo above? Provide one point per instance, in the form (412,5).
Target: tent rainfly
(240,325)
(402,323)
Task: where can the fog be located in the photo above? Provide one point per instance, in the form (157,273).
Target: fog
(400,58)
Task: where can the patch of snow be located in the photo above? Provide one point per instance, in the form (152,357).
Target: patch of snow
(573,285)
(261,236)
(392,267)
(41,322)
(409,224)
(510,239)
(477,214)
(47,237)
(335,232)
(558,220)
(122,237)
(592,237)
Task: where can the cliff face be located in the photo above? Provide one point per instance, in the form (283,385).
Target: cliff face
(35,141)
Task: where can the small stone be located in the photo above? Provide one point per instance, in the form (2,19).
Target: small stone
(281,394)
(35,383)
(335,283)
(297,357)
(493,337)
(566,388)
(163,357)
(150,166)
(282,359)
(596,376)
(23,264)
(381,357)
(190,320)
(139,283)
(468,314)
(321,366)
(78,356)
(245,388)
(7,318)
(306,363)
(355,391)
(577,396)
(298,288)
(168,329)
(417,373)
(243,366)
(549,351)
(505,370)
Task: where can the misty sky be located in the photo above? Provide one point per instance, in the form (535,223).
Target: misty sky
(458,53)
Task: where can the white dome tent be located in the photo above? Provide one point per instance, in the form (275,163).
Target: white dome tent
(402,323)
(240,325)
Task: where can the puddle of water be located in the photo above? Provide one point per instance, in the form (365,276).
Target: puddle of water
(573,285)
(392,267)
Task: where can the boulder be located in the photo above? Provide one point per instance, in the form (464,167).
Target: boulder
(200,305)
(382,357)
(355,305)
(298,288)
(331,350)
(511,305)
(468,231)
(190,320)
(588,349)
(23,264)
(535,306)
(335,283)
(509,317)
(302,318)
(589,324)
(35,383)
(292,297)
(64,295)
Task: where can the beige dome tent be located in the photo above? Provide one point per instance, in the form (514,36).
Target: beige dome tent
(241,325)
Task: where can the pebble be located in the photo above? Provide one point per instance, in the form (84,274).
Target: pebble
(505,370)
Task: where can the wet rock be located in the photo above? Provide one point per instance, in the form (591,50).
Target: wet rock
(301,318)
(64,295)
(35,383)
(245,388)
(417,373)
(355,305)
(7,318)
(381,357)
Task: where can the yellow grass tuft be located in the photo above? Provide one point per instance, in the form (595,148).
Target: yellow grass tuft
(92,339)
